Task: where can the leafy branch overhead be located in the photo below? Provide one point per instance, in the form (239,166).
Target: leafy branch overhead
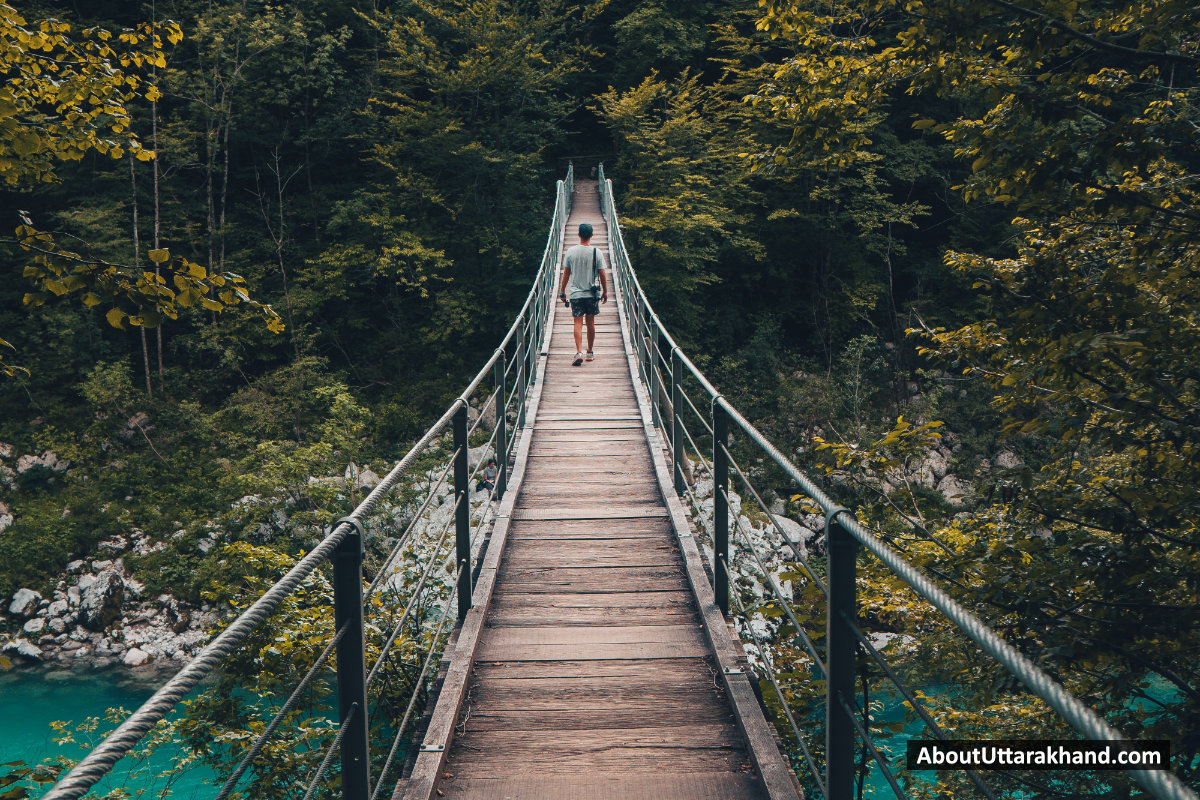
(133,296)
(67,93)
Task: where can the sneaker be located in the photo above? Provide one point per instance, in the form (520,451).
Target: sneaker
(590,356)
(578,360)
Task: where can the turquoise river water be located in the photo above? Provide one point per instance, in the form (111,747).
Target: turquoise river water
(31,699)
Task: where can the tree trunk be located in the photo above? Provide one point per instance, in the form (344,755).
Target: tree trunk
(136,254)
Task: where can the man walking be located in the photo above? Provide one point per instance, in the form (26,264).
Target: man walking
(583,269)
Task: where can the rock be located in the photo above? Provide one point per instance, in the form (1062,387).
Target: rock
(796,534)
(177,616)
(1009,460)
(478,455)
(24,603)
(76,567)
(34,626)
(74,595)
(6,450)
(6,517)
(206,544)
(6,476)
(955,490)
(102,601)
(100,566)
(489,416)
(57,624)
(48,459)
(85,582)
(367,480)
(135,588)
(57,609)
(938,463)
(115,543)
(23,648)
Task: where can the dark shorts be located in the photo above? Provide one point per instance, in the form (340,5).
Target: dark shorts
(585,306)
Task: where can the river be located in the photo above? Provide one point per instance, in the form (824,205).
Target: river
(30,700)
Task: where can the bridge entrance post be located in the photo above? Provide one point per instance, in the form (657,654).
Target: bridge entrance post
(351,666)
(720,423)
(501,426)
(462,512)
(839,659)
(677,454)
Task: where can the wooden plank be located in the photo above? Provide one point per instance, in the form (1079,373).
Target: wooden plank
(626,601)
(616,715)
(594,548)
(702,748)
(490,651)
(564,694)
(583,636)
(647,786)
(591,512)
(631,671)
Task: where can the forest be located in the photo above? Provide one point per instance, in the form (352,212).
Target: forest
(249,239)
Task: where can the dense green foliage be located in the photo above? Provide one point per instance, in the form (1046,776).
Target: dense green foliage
(861,218)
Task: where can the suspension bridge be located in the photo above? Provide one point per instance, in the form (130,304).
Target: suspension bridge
(580,634)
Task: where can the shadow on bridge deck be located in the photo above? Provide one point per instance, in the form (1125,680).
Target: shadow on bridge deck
(597,670)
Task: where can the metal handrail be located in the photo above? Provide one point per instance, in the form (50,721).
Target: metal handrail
(343,546)
(844,534)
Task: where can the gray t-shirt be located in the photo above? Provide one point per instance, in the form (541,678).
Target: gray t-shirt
(583,261)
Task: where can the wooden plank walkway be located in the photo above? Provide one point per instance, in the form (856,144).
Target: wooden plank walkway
(594,674)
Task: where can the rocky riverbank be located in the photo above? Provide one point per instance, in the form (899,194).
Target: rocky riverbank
(98,616)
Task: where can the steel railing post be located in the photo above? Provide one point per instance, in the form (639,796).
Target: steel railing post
(501,426)
(462,512)
(351,666)
(677,422)
(652,368)
(720,423)
(839,658)
(520,356)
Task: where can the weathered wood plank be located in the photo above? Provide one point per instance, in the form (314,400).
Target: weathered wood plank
(591,511)
(550,752)
(647,786)
(612,634)
(633,672)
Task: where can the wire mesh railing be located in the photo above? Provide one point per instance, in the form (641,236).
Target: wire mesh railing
(745,564)
(399,620)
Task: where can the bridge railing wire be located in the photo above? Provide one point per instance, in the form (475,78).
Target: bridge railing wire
(424,571)
(745,564)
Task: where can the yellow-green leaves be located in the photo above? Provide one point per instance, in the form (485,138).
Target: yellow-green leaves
(68,92)
(134,297)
